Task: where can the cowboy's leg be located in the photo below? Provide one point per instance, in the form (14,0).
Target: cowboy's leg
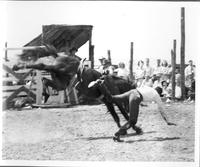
(123,110)
(134,112)
(134,101)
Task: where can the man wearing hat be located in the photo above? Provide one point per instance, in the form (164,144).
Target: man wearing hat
(106,67)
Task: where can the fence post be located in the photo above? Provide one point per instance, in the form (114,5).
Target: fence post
(91,50)
(182,69)
(39,87)
(6,52)
(92,56)
(173,62)
(109,56)
(131,62)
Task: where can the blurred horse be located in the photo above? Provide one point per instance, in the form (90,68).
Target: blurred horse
(64,68)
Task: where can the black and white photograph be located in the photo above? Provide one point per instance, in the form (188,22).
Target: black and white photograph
(100,83)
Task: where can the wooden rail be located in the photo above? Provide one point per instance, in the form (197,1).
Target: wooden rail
(15,86)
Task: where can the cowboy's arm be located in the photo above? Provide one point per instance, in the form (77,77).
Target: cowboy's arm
(160,109)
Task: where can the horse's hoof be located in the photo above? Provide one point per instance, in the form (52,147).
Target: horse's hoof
(117,139)
(121,132)
(138,131)
(124,132)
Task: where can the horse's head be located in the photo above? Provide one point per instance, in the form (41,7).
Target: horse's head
(101,85)
(37,52)
(96,83)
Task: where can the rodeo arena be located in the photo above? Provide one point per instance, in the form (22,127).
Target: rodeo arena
(58,106)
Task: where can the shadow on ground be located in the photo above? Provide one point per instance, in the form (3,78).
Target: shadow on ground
(133,141)
(154,139)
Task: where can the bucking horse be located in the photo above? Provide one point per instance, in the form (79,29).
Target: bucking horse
(62,71)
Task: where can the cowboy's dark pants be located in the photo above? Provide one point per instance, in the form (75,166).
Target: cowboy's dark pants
(134,98)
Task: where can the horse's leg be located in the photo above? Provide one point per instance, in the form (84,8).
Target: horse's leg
(126,106)
(111,109)
(45,90)
(134,102)
(124,113)
(123,110)
(47,83)
(121,99)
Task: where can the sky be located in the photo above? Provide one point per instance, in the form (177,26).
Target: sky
(151,26)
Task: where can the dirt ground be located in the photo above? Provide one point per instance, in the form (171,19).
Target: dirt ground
(85,133)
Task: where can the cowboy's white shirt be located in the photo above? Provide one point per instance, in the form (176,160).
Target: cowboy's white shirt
(149,94)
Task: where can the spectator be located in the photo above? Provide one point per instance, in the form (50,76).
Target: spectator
(157,81)
(166,91)
(122,72)
(148,69)
(157,70)
(164,71)
(101,67)
(178,92)
(147,82)
(190,69)
(190,89)
(140,73)
(106,67)
(189,78)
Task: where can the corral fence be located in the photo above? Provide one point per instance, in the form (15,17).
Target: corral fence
(27,84)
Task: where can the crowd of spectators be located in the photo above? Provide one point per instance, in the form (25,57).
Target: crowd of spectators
(159,77)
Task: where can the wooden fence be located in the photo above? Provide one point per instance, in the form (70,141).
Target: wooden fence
(17,85)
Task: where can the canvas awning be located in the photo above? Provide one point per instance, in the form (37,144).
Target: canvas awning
(63,37)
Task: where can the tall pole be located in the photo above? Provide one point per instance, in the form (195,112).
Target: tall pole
(173,62)
(182,69)
(43,33)
(39,74)
(92,56)
(91,50)
(109,56)
(131,62)
(6,52)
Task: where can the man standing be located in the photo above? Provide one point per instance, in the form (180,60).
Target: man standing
(148,69)
(106,67)
(164,71)
(139,73)
(189,70)
(157,71)
(190,80)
